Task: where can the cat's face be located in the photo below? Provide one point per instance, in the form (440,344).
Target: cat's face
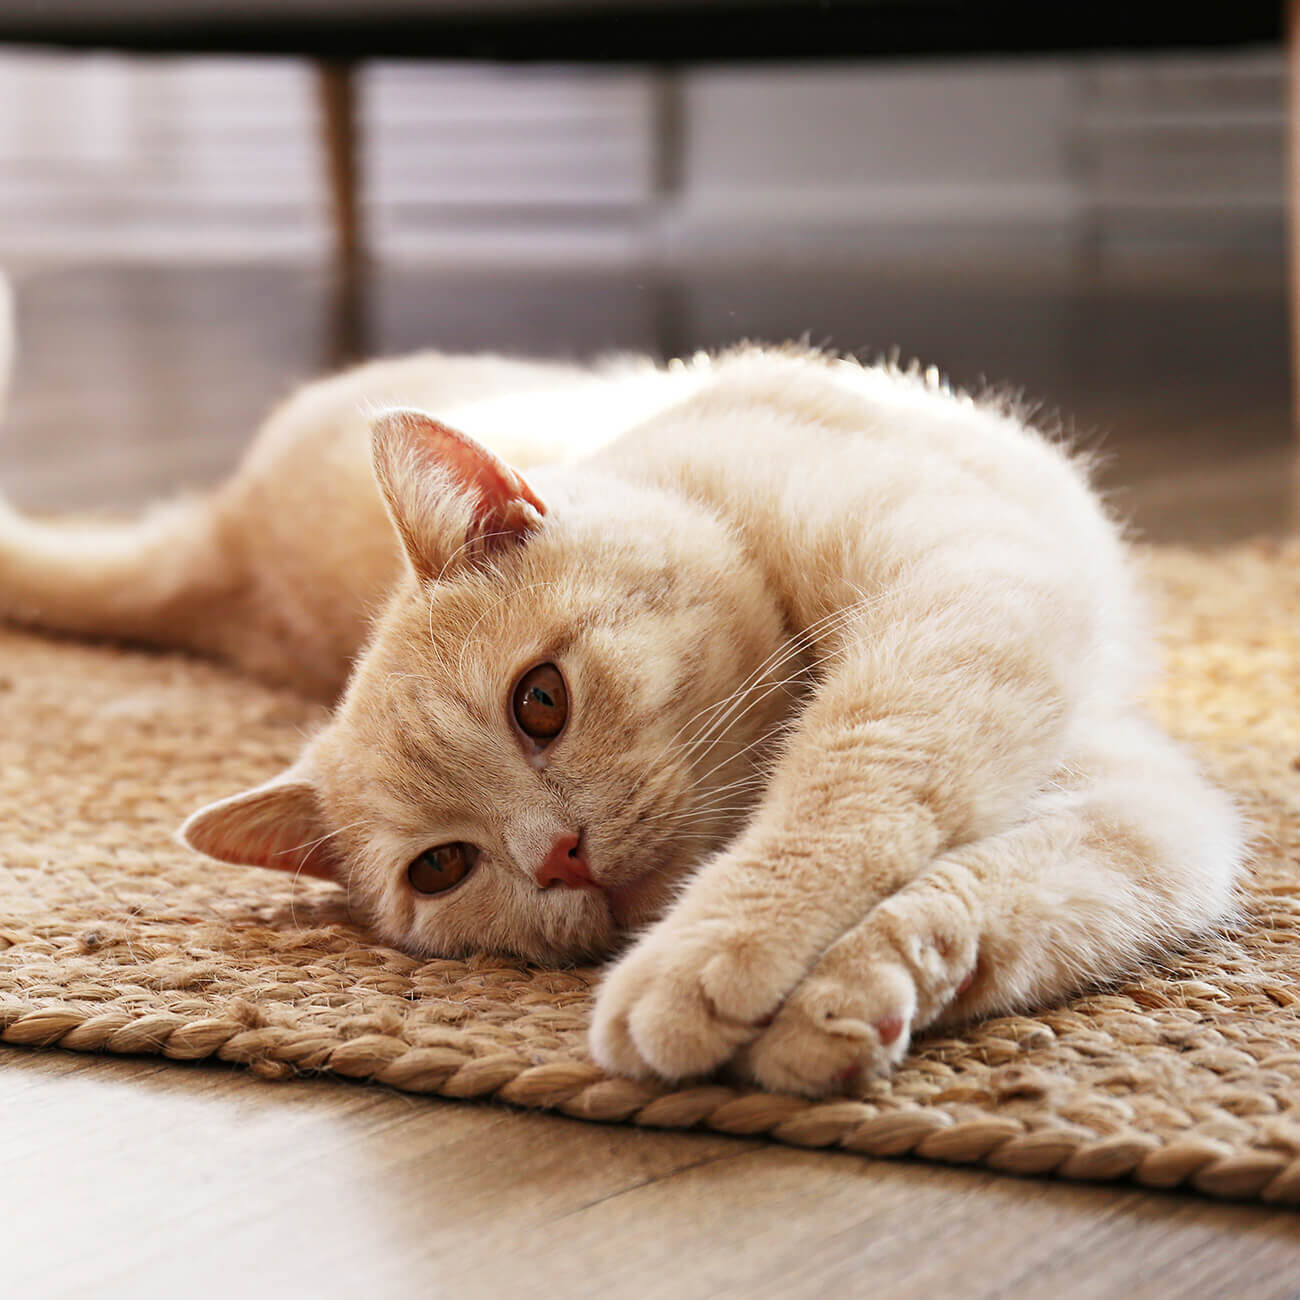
(553,725)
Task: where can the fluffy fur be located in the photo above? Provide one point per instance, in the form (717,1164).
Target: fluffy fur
(852,661)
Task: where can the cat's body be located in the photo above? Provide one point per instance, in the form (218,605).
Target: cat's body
(838,677)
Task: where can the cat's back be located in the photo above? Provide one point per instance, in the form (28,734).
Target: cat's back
(837,473)
(812,435)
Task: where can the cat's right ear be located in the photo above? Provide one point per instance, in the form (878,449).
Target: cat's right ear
(276,825)
(450,498)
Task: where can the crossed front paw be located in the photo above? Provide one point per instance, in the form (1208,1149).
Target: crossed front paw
(689,999)
(685,998)
(829,1037)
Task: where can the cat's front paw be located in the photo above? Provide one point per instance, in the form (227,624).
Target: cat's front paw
(855,1014)
(830,1035)
(682,1001)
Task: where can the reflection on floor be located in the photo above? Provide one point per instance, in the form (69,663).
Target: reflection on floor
(133,382)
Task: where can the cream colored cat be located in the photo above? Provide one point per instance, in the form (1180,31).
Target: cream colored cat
(820,679)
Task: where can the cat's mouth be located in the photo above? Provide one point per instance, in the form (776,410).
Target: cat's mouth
(636,902)
(621,906)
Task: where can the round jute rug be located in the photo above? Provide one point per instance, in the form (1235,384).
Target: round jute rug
(114,939)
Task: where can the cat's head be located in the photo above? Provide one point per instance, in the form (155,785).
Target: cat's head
(563,709)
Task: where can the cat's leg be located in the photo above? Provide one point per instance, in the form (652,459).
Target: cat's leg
(1130,854)
(933,729)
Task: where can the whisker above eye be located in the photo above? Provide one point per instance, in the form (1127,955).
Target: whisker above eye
(329,835)
(770,688)
(720,714)
(491,609)
(468,542)
(708,749)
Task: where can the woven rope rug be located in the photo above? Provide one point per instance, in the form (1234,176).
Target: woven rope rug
(114,939)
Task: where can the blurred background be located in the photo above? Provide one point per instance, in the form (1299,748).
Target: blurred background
(1104,229)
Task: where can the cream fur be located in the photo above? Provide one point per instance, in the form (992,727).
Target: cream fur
(853,663)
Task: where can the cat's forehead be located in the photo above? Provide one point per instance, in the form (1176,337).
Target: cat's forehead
(425,727)
(474,629)
(428,721)
(447,655)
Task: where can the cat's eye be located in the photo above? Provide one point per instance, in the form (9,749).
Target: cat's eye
(437,870)
(541,703)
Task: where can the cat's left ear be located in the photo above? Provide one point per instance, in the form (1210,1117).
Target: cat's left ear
(451,499)
(276,825)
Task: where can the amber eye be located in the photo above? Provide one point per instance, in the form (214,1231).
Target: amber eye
(541,703)
(437,870)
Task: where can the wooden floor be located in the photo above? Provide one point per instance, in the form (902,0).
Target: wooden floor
(139,1178)
(128,1178)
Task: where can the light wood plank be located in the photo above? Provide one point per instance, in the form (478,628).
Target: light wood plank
(147,1178)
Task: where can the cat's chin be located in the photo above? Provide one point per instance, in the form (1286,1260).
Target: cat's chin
(639,902)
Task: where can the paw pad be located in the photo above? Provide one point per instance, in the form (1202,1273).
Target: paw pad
(889,1028)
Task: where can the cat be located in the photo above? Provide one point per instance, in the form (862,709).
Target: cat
(809,688)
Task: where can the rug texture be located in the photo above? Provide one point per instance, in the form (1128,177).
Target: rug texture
(115,939)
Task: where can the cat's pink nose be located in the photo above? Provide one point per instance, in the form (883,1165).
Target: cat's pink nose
(565,865)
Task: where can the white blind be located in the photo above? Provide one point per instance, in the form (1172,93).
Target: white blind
(1190,148)
(110,156)
(457,157)
(144,157)
(105,155)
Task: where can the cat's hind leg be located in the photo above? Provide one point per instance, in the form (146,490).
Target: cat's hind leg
(1130,853)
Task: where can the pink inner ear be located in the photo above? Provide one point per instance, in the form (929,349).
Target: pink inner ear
(498,489)
(433,477)
(316,861)
(275,826)
(502,502)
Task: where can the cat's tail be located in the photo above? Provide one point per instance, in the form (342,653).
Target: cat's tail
(159,577)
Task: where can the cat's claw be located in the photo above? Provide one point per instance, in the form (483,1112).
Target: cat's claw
(829,1036)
